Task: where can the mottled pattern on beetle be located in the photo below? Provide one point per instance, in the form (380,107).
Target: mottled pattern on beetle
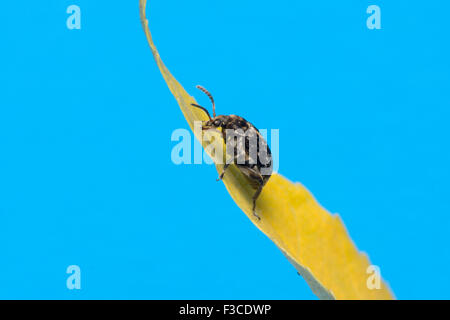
(254,159)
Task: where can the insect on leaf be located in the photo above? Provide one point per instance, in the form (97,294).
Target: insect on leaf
(313,240)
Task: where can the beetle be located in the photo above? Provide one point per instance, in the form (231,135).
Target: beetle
(251,154)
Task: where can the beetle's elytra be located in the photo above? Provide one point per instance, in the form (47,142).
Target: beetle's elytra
(253,158)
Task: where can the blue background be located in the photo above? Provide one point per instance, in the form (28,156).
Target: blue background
(86,119)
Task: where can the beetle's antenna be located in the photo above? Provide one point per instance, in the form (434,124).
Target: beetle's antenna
(210,97)
(204,109)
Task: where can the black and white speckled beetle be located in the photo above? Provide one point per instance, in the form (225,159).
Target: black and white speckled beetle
(259,170)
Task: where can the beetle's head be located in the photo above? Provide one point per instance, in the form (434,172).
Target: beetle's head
(215,123)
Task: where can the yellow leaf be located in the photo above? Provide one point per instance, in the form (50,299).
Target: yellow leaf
(312,239)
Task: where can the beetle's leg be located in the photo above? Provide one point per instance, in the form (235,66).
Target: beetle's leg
(227,164)
(256,195)
(223,171)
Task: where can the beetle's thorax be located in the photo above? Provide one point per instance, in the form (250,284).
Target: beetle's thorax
(228,122)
